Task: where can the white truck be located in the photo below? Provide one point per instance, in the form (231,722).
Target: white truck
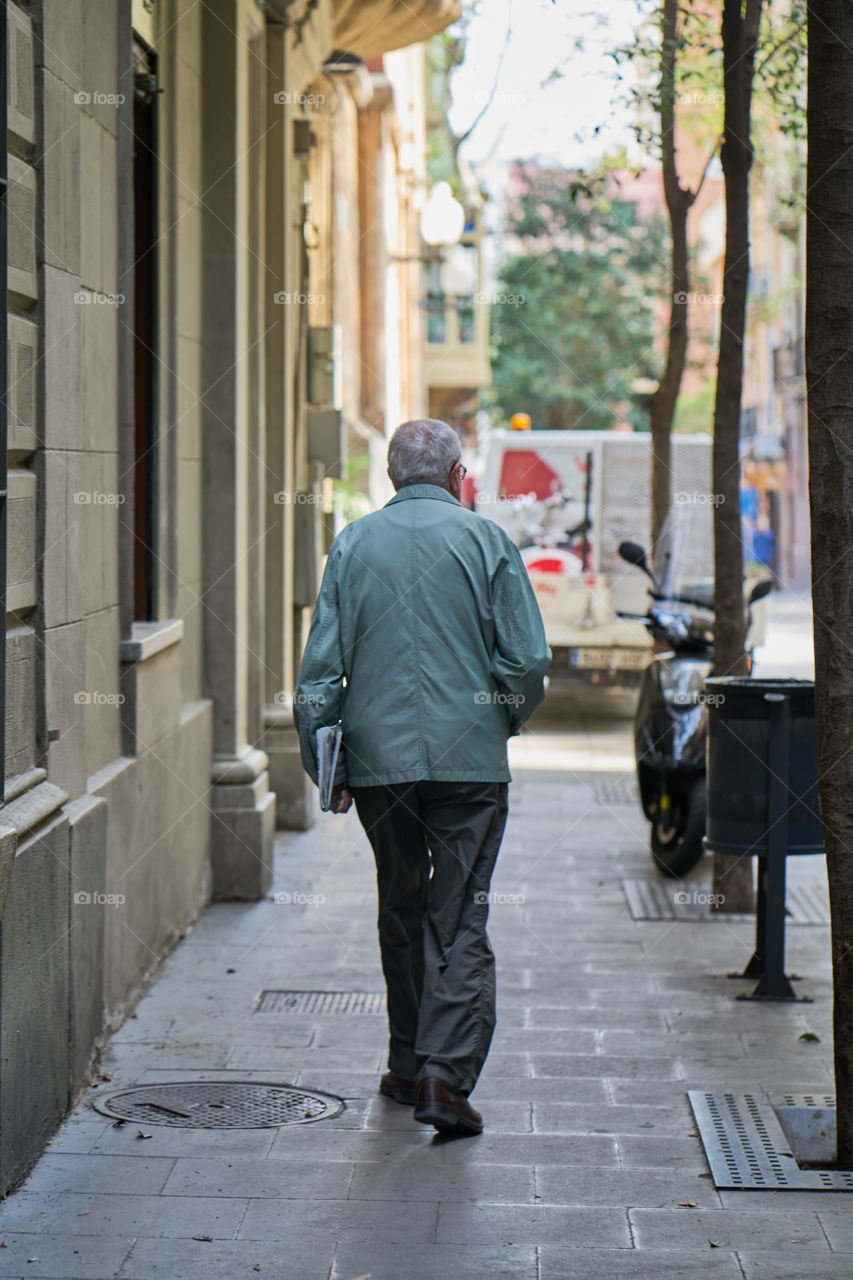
(567,499)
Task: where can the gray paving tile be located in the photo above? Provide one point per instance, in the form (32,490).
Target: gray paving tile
(637,1264)
(372,1222)
(817,1201)
(596,1151)
(304,1256)
(649,1152)
(343,1084)
(671,1043)
(117,1215)
(647,1093)
(568,1117)
(78,1133)
(166,1141)
(631,1188)
(255,1029)
(729,1229)
(317,1061)
(515,1224)
(297,1179)
(838,1226)
(543,1088)
(140,1174)
(569,1017)
(432,1261)
(782,1266)
(613,1066)
(307,1142)
(26,1210)
(337,1032)
(125,1059)
(764,1071)
(137,1026)
(427,1176)
(63,1257)
(545,1040)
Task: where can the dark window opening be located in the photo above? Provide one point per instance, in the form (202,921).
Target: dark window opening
(4,377)
(145,331)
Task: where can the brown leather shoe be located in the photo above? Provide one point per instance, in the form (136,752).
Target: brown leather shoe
(439,1104)
(399,1088)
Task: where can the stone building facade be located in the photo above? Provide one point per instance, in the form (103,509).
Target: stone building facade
(213,301)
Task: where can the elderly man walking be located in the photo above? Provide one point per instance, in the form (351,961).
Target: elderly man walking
(428,646)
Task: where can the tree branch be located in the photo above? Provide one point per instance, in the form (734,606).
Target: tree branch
(694,195)
(457,142)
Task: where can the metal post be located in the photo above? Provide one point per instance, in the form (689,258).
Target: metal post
(770,931)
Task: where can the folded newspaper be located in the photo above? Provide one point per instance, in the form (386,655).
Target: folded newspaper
(331,763)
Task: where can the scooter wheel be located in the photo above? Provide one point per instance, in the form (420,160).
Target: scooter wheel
(676,845)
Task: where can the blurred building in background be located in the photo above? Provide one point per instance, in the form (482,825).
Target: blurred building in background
(457,358)
(215,287)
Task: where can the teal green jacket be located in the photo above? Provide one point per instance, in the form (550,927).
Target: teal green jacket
(426,643)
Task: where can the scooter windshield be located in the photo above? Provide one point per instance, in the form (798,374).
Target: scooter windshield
(683,559)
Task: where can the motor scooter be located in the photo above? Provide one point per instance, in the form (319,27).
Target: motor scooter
(671,720)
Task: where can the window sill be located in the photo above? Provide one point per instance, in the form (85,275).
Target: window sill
(148,638)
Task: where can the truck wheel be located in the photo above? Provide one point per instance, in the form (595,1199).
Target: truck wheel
(676,843)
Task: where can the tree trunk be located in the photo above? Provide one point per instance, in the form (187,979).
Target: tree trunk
(829,379)
(678,202)
(732,875)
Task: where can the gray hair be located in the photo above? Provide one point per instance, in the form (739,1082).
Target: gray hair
(422,452)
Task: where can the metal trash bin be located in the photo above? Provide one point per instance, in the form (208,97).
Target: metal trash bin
(763,799)
(739,720)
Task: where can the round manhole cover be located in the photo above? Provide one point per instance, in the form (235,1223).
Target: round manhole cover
(211,1104)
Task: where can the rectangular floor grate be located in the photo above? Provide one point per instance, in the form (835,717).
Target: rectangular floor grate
(683,901)
(746,1147)
(351,1002)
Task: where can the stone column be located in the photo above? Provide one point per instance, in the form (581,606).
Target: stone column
(295,804)
(242,804)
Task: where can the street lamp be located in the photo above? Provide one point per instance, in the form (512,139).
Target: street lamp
(443,218)
(442,223)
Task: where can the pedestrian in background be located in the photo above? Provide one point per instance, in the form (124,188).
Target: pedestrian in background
(428,646)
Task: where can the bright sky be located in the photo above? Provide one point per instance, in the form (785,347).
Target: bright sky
(529,118)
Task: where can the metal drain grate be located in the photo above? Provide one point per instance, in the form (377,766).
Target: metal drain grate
(672,900)
(746,1147)
(805,1100)
(352,1002)
(216,1104)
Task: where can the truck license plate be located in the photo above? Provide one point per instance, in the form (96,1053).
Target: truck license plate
(617,659)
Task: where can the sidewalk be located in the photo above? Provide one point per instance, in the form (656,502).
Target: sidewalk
(589,1166)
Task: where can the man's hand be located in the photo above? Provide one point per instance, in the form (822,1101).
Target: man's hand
(341,801)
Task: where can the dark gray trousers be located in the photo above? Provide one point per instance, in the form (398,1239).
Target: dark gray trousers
(438,963)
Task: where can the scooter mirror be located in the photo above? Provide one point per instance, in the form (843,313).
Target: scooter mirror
(634,554)
(760,590)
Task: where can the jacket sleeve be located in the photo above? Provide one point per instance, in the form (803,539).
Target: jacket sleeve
(521,656)
(318,696)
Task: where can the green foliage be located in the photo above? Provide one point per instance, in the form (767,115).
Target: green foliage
(695,411)
(573,325)
(349,497)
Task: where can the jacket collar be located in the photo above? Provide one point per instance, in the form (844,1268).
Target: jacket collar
(423,491)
